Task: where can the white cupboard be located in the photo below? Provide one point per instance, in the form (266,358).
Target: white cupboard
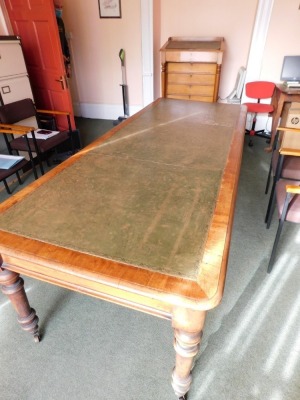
(14,80)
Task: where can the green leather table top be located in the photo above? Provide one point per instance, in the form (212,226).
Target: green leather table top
(145,196)
(199,45)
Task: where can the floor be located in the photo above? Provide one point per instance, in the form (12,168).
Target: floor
(250,348)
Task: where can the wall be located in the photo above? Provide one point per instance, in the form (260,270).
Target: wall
(231,19)
(282,39)
(156,46)
(96,42)
(4,23)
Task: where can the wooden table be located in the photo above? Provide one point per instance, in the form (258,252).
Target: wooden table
(282,94)
(142,218)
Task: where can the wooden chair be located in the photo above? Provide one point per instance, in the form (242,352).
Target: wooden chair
(23,113)
(285,193)
(291,164)
(287,166)
(258,90)
(6,173)
(288,204)
(18,130)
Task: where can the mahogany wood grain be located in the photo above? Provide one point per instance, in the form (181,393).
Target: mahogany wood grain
(13,287)
(183,300)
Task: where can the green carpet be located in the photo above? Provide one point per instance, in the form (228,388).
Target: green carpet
(95,350)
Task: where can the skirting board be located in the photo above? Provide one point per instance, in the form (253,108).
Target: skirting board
(102,111)
(112,112)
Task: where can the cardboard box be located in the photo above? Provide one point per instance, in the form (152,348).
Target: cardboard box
(290,116)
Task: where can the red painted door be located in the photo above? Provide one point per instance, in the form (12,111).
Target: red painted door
(35,22)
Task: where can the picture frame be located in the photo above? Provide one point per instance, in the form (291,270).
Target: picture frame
(110,8)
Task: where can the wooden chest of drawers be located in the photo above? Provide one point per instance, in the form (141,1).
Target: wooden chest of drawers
(191,68)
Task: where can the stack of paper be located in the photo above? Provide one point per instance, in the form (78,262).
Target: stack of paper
(7,162)
(43,134)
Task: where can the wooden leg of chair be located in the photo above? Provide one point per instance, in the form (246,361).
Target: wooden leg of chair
(13,286)
(272,257)
(33,168)
(41,164)
(19,178)
(6,186)
(271,204)
(269,178)
(278,233)
(271,207)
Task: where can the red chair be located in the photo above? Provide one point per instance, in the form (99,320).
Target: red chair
(258,90)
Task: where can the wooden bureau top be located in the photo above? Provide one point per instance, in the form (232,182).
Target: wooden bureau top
(194,43)
(193,49)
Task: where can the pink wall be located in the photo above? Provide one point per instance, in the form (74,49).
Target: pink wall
(96,42)
(156,46)
(231,19)
(283,37)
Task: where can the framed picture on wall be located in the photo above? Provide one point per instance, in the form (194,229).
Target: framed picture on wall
(110,8)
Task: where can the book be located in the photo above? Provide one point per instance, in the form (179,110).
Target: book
(43,134)
(7,161)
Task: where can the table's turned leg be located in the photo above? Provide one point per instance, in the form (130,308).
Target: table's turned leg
(13,286)
(188,332)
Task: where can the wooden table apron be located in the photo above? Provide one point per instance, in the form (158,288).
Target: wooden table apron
(142,217)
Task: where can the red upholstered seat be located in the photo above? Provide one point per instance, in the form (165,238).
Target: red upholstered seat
(259,108)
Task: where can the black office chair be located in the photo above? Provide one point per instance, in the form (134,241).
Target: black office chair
(23,113)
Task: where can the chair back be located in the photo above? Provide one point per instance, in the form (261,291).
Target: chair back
(259,89)
(20,112)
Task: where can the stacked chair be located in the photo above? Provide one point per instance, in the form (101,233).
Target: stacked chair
(285,192)
(23,113)
(14,170)
(19,122)
(291,165)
